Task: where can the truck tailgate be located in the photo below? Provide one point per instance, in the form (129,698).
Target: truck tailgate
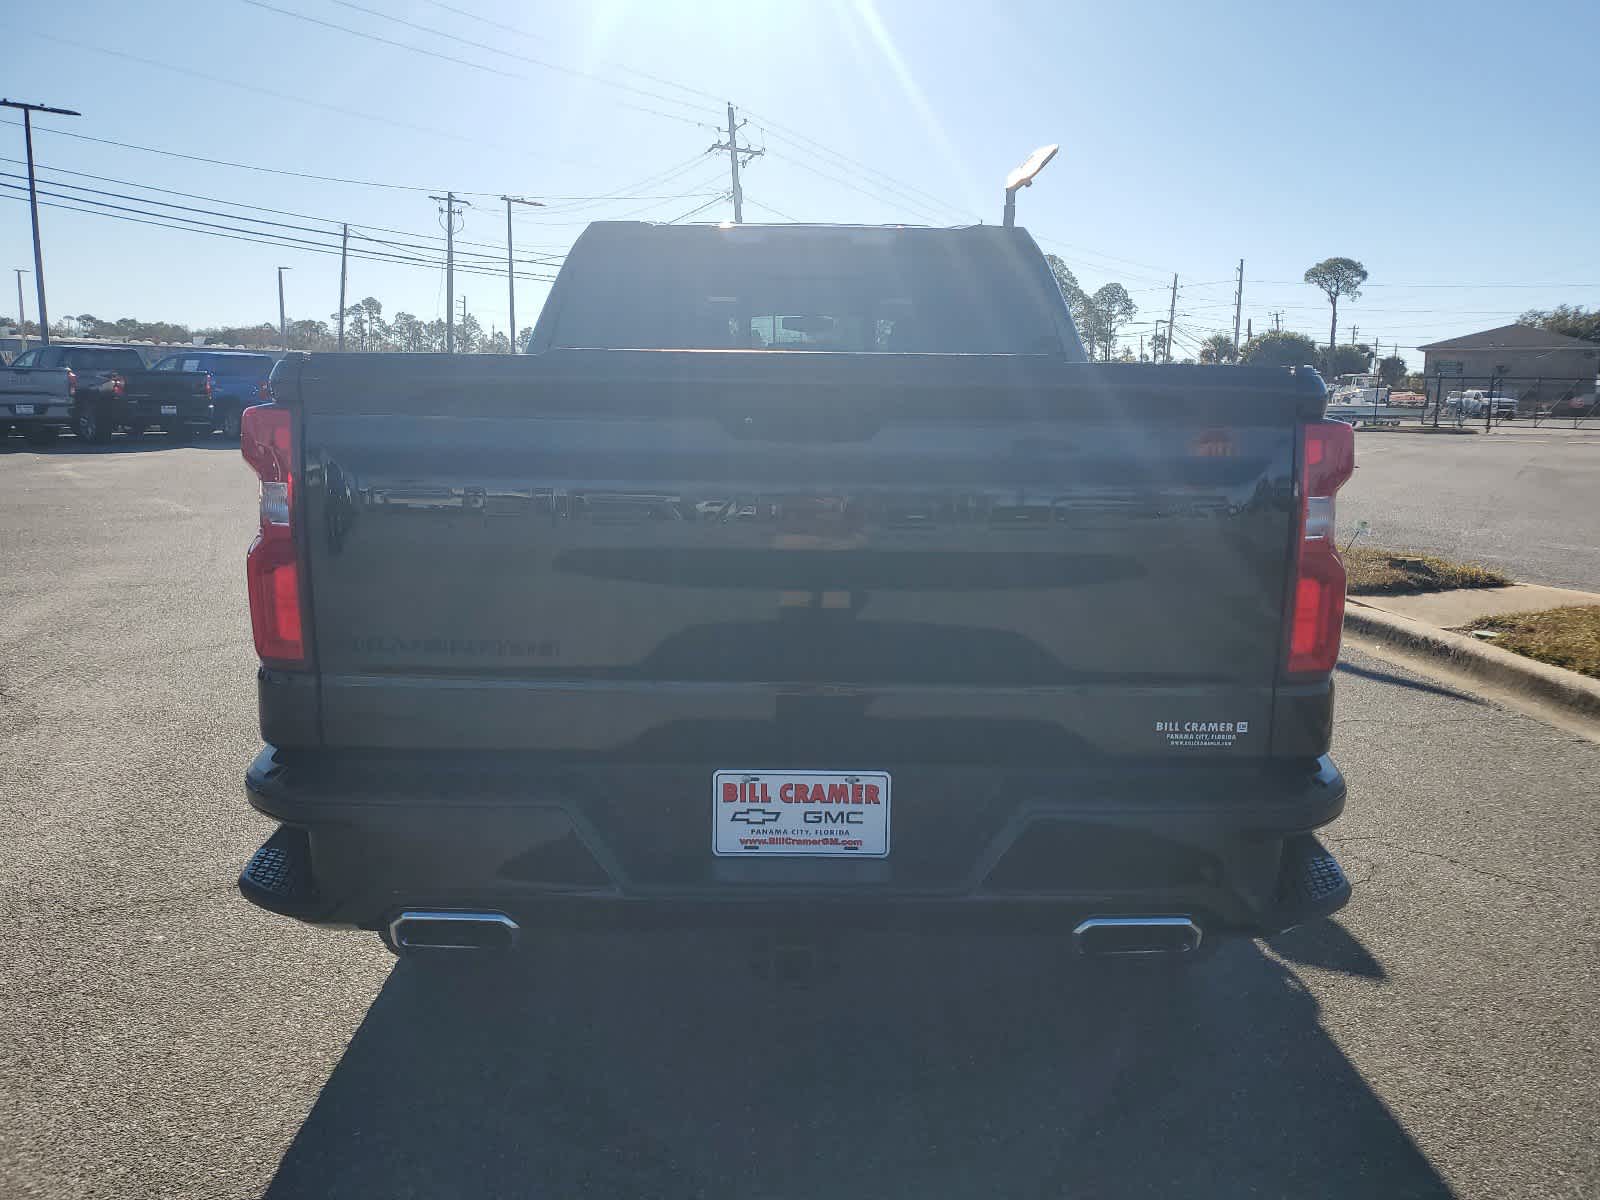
(764,557)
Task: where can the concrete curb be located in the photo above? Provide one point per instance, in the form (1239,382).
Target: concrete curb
(1412,429)
(1577,694)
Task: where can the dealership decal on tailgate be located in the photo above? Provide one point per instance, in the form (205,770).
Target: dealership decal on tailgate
(843,814)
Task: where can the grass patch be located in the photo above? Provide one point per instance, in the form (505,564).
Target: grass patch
(1375,572)
(1562,637)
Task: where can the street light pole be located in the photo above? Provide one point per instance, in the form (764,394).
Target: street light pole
(283,323)
(511,278)
(33,201)
(22,317)
(1021,177)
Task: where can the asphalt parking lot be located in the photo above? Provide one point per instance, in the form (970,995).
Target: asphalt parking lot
(159,1037)
(1522,499)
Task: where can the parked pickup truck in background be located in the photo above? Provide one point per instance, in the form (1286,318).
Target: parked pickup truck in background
(1475,403)
(101,373)
(804,573)
(177,402)
(238,380)
(35,401)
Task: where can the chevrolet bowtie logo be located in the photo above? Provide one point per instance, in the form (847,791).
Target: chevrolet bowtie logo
(757,816)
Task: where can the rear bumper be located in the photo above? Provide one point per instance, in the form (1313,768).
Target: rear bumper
(42,414)
(365,835)
(186,412)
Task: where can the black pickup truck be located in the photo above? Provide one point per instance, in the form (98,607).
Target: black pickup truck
(179,402)
(799,573)
(100,379)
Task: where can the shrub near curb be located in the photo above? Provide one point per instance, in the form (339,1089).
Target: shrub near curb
(1562,637)
(1578,694)
(1375,572)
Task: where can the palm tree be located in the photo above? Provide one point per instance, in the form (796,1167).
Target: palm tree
(1218,349)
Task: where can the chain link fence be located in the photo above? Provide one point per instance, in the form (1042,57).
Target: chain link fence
(1481,400)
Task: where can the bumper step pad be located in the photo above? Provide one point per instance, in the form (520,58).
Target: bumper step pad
(1311,884)
(278,876)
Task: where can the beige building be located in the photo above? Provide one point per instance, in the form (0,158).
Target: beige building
(1536,366)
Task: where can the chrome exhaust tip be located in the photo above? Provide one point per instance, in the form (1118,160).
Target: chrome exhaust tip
(445,929)
(1122,936)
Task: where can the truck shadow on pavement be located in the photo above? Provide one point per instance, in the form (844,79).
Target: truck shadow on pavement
(1401,681)
(665,1066)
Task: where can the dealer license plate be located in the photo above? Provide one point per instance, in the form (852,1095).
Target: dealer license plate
(831,814)
(169,410)
(23,410)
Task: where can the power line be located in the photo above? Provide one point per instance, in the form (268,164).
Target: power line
(775,212)
(574,72)
(698,208)
(800,141)
(1155,287)
(855,187)
(502,26)
(658,179)
(892,185)
(622,194)
(889,184)
(1392,284)
(222,162)
(239,217)
(292,98)
(464,62)
(259,237)
(695,191)
(542,259)
(1165,284)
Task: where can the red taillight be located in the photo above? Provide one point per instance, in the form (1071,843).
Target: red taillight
(1316,607)
(119,385)
(72,382)
(208,385)
(272,567)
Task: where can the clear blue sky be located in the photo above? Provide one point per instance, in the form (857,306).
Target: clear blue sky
(1445,145)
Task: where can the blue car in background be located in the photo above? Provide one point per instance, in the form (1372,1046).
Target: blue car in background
(238,380)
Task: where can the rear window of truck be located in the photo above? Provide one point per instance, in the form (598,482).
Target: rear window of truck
(102,360)
(882,291)
(239,365)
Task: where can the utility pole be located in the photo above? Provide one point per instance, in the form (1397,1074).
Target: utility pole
(33,203)
(1238,305)
(1277,321)
(22,317)
(1249,330)
(511,277)
(1172,315)
(451,204)
(1141,347)
(283,322)
(344,253)
(734,151)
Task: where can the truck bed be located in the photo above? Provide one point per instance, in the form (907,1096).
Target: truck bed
(737,555)
(171,399)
